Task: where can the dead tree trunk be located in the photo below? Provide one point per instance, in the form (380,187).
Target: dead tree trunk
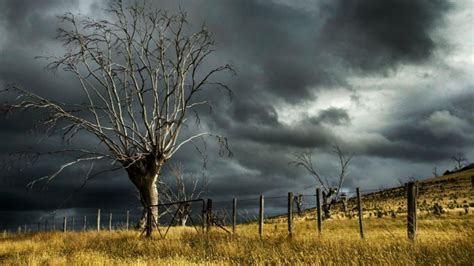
(144,175)
(183,213)
(326,206)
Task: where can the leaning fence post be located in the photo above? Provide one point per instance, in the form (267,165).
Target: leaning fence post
(260,219)
(127,220)
(290,214)
(110,222)
(98,220)
(209,214)
(361,215)
(411,209)
(234,214)
(65,224)
(318,209)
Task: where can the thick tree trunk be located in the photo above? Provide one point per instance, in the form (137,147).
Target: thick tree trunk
(149,197)
(144,175)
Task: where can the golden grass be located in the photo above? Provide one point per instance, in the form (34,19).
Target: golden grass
(440,241)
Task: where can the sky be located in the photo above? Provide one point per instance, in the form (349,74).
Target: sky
(391,82)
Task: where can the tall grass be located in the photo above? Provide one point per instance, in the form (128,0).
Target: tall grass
(447,241)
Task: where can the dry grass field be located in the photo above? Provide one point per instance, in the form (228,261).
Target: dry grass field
(443,238)
(441,241)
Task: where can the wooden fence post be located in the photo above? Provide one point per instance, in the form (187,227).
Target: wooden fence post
(98,220)
(209,214)
(149,221)
(65,224)
(234,214)
(472,184)
(361,214)
(85,223)
(46,225)
(290,214)
(54,224)
(73,221)
(411,209)
(260,217)
(203,215)
(318,210)
(110,222)
(127,220)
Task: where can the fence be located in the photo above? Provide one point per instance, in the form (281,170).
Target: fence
(216,213)
(409,193)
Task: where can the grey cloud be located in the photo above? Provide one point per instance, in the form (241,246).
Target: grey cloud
(28,22)
(284,54)
(332,116)
(252,112)
(378,35)
(442,124)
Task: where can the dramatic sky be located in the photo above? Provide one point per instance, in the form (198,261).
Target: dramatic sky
(391,82)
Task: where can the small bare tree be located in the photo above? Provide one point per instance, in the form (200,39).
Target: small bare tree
(140,73)
(298,199)
(460,160)
(331,187)
(435,171)
(182,187)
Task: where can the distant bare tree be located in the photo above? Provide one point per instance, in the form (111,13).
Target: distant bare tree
(298,199)
(331,190)
(140,73)
(460,159)
(435,171)
(182,187)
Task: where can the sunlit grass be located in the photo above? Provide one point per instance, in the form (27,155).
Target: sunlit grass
(444,241)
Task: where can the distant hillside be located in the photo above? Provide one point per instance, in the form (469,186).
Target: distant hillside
(436,195)
(465,168)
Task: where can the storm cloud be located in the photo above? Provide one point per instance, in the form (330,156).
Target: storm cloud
(389,81)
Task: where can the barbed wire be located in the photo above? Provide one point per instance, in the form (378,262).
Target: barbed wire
(245,213)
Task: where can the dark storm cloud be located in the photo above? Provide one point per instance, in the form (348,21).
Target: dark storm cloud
(427,132)
(427,138)
(373,36)
(252,112)
(295,51)
(284,54)
(30,21)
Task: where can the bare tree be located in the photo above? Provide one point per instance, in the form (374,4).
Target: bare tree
(460,159)
(140,73)
(435,171)
(298,200)
(182,187)
(331,187)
